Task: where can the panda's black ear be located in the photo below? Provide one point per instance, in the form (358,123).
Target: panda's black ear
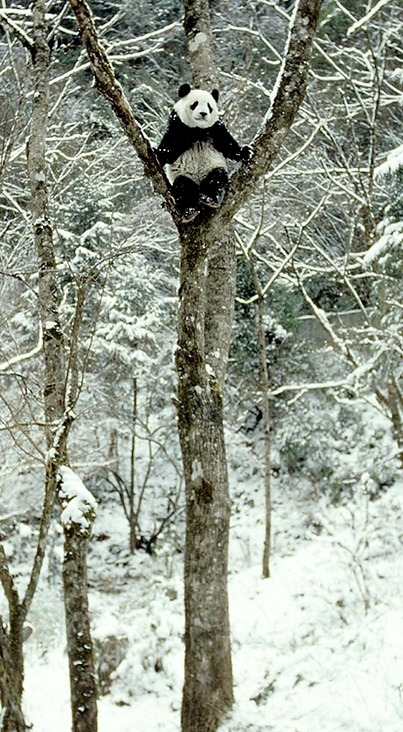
(184,90)
(215,94)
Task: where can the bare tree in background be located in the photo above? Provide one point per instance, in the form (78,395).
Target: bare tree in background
(59,399)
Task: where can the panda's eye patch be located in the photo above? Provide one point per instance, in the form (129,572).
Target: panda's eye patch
(210,109)
(194,105)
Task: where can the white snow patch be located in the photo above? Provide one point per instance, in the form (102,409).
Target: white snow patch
(197,470)
(76,498)
(393,162)
(197,41)
(50,325)
(307,655)
(392,236)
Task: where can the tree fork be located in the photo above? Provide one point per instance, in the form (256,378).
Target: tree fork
(208,676)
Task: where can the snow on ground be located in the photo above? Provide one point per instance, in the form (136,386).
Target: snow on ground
(318,647)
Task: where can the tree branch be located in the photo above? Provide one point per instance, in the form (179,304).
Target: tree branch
(107,84)
(6,579)
(288,94)
(6,365)
(197,27)
(16,29)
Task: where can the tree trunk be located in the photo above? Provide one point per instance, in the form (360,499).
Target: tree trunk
(207,690)
(208,274)
(208,675)
(79,641)
(264,390)
(220,301)
(12,673)
(132,485)
(58,408)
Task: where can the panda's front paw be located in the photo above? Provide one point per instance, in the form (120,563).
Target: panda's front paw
(246,153)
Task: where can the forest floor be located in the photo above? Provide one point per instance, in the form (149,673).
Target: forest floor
(317,647)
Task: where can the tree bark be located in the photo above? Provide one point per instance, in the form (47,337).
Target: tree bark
(220,302)
(207,294)
(264,391)
(12,671)
(79,641)
(207,692)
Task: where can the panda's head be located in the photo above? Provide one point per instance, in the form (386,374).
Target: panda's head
(197,108)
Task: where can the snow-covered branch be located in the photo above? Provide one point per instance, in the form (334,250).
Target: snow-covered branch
(368,17)
(287,97)
(16,29)
(107,84)
(24,356)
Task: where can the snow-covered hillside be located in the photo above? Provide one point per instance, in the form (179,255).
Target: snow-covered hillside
(318,647)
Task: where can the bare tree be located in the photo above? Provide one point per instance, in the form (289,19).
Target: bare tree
(57,402)
(60,393)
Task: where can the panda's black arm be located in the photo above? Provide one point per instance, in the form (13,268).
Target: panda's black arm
(174,142)
(227,145)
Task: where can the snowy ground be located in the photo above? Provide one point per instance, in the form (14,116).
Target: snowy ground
(318,647)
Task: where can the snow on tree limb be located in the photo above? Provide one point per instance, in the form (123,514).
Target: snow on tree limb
(367,18)
(79,505)
(24,356)
(392,164)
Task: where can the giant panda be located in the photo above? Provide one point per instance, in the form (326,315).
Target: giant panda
(195,148)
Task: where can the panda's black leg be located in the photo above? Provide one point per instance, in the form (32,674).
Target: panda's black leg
(213,188)
(186,194)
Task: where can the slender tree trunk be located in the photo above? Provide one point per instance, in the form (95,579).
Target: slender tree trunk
(264,391)
(208,274)
(131,511)
(11,640)
(79,645)
(79,642)
(12,672)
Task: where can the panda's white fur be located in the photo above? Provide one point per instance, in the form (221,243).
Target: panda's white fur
(197,162)
(197,109)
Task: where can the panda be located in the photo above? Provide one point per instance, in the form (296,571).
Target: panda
(195,148)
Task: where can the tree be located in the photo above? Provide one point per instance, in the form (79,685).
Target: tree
(11,652)
(60,393)
(57,402)
(204,319)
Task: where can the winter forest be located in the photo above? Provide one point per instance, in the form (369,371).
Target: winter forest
(201,423)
